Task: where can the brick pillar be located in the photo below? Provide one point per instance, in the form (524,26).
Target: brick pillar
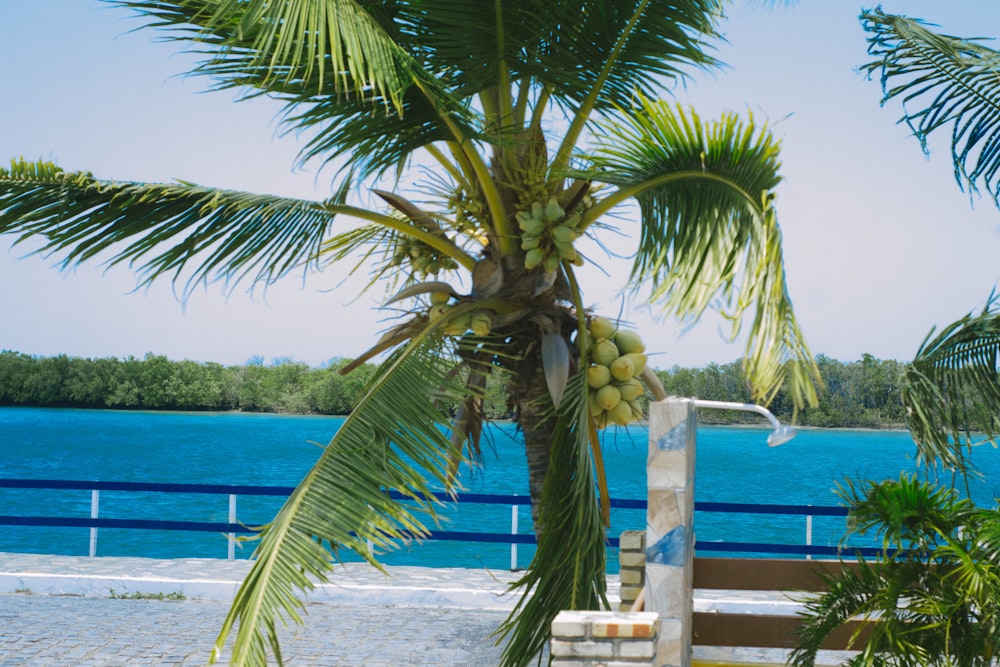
(603,639)
(632,566)
(669,522)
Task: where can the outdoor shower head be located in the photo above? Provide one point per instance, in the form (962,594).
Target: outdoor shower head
(781,433)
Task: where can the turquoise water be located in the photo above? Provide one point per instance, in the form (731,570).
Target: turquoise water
(733,465)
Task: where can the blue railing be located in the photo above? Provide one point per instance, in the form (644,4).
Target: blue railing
(234,527)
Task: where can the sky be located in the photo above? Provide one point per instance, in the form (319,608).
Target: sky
(880,243)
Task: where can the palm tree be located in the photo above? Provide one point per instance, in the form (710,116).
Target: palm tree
(952,389)
(531,120)
(932,595)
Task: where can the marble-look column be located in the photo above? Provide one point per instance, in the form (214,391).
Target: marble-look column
(669,526)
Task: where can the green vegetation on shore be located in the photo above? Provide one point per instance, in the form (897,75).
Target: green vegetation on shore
(864,393)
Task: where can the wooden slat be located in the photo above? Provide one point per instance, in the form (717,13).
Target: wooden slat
(760,574)
(713,629)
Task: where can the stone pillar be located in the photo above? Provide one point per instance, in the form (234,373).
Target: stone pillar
(631,566)
(669,526)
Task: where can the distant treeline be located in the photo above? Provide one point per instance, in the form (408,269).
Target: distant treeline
(157,383)
(856,394)
(861,393)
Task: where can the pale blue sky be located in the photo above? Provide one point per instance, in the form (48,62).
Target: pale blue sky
(880,244)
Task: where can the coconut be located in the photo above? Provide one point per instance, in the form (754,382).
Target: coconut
(458,325)
(533,258)
(533,226)
(440,297)
(551,263)
(563,234)
(622,368)
(567,252)
(602,327)
(598,376)
(537,210)
(638,361)
(608,396)
(553,211)
(630,389)
(621,414)
(629,341)
(604,352)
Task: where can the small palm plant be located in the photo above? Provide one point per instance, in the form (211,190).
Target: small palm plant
(932,597)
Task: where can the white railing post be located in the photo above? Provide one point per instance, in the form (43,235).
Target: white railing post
(232,519)
(809,533)
(95,501)
(513,531)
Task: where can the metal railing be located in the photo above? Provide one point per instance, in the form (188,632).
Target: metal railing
(233,527)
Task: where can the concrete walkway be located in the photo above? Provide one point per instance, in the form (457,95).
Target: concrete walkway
(63,611)
(58,611)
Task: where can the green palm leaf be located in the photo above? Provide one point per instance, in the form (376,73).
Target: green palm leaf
(336,65)
(709,230)
(161,228)
(396,438)
(334,46)
(609,48)
(345,127)
(567,571)
(942,81)
(952,390)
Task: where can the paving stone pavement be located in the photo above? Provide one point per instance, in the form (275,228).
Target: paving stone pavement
(68,611)
(71,611)
(64,631)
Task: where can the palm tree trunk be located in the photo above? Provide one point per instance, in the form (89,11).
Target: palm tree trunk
(535,416)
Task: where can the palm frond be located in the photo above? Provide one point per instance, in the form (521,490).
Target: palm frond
(345,127)
(162,229)
(776,353)
(847,596)
(609,48)
(333,46)
(942,81)
(337,66)
(952,390)
(568,569)
(371,248)
(908,515)
(709,233)
(395,439)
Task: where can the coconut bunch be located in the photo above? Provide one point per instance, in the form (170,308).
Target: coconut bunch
(615,362)
(547,235)
(422,258)
(456,324)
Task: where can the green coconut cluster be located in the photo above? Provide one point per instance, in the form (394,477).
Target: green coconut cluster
(424,259)
(456,324)
(616,360)
(547,235)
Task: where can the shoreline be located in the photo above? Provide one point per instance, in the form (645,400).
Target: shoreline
(895,427)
